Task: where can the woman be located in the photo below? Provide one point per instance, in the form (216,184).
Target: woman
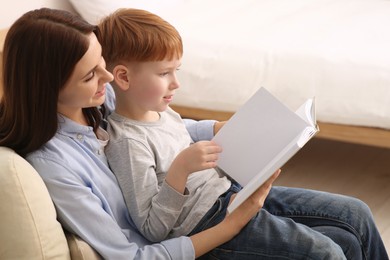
(54,80)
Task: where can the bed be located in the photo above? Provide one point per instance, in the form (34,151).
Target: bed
(335,50)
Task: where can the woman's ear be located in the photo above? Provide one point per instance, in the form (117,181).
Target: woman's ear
(121,76)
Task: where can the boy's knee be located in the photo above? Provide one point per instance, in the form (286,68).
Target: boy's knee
(329,250)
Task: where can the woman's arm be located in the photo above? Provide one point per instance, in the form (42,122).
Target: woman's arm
(233,223)
(84,213)
(102,220)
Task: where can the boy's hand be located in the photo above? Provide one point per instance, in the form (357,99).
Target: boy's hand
(199,156)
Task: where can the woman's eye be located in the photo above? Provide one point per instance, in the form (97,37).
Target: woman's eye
(91,75)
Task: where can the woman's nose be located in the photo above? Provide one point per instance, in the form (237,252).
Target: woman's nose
(108,76)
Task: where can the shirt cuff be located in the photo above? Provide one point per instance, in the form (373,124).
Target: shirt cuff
(180,248)
(171,198)
(200,130)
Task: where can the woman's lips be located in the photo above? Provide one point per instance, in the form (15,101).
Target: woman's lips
(101,92)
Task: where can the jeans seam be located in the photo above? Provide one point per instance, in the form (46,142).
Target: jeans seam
(226,251)
(214,215)
(343,224)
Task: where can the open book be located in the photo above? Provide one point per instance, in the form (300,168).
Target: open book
(260,138)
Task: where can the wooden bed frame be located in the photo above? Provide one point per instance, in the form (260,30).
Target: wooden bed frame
(345,133)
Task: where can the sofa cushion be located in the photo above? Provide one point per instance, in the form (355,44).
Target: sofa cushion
(28,227)
(79,249)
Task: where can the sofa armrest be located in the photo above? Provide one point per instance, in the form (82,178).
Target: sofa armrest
(79,249)
(28,228)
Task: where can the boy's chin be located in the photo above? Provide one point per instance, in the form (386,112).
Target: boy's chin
(162,108)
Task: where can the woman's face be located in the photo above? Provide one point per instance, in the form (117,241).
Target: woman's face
(86,85)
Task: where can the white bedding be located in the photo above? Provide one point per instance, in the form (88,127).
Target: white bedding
(335,50)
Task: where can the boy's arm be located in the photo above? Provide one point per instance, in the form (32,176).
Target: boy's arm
(154,209)
(200,130)
(203,130)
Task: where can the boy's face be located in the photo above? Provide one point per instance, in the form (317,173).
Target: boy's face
(153,84)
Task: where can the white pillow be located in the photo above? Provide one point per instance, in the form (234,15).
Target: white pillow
(94,10)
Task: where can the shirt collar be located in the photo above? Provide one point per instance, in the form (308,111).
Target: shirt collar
(70,128)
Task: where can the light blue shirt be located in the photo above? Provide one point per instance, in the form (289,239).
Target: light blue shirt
(87,196)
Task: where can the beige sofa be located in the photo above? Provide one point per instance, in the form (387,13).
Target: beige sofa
(28,227)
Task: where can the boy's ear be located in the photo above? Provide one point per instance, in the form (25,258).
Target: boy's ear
(121,76)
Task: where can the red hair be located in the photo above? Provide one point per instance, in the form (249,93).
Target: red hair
(130,35)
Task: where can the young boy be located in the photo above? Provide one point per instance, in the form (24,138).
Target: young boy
(168,181)
(171,185)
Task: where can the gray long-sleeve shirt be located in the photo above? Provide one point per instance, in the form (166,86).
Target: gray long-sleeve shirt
(140,154)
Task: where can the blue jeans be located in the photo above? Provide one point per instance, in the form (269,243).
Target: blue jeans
(300,224)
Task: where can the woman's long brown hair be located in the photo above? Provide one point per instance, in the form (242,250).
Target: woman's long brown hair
(41,50)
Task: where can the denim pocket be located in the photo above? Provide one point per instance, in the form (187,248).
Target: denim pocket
(209,217)
(217,212)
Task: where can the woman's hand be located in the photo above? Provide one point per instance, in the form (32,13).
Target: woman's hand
(234,222)
(218,126)
(252,205)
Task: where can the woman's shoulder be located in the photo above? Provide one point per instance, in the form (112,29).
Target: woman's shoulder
(49,159)
(50,150)
(64,148)
(61,155)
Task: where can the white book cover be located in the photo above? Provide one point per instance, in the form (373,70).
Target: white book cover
(260,138)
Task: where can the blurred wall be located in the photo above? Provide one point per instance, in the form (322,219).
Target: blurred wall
(10,10)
